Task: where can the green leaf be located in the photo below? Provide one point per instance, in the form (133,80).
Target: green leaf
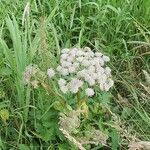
(23,147)
(114,140)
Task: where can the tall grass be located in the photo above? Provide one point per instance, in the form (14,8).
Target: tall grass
(118,28)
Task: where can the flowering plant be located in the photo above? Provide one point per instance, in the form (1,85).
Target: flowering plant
(82,69)
(83,73)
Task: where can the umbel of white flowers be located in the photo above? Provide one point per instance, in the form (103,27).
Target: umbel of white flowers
(82,69)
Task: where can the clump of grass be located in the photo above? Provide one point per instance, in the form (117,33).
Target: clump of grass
(118,28)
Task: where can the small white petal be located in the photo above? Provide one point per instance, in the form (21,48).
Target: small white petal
(64,89)
(106,58)
(70,59)
(61,82)
(98,54)
(59,68)
(91,82)
(101,61)
(89,92)
(64,71)
(79,53)
(91,69)
(65,50)
(108,71)
(102,78)
(106,87)
(101,86)
(71,69)
(87,49)
(76,65)
(85,63)
(66,64)
(50,72)
(74,85)
(64,56)
(80,59)
(109,83)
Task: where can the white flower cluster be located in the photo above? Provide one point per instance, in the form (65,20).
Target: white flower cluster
(29,71)
(82,67)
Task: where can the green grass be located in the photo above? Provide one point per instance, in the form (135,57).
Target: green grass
(118,28)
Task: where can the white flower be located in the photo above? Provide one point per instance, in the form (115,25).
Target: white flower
(89,54)
(73,52)
(50,73)
(108,84)
(108,71)
(76,64)
(99,70)
(61,82)
(30,71)
(93,75)
(65,50)
(85,63)
(91,82)
(64,89)
(64,72)
(64,56)
(87,49)
(74,85)
(105,86)
(71,69)
(101,61)
(96,60)
(59,68)
(79,53)
(86,77)
(89,92)
(98,54)
(66,64)
(80,59)
(106,58)
(102,78)
(101,86)
(70,59)
(81,73)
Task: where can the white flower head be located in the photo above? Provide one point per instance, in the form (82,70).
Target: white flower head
(64,89)
(64,71)
(87,49)
(108,84)
(71,69)
(98,54)
(50,72)
(80,53)
(74,85)
(29,71)
(70,59)
(85,63)
(108,71)
(106,58)
(59,68)
(80,59)
(76,64)
(66,64)
(89,92)
(61,82)
(91,82)
(82,65)
(65,50)
(81,73)
(64,56)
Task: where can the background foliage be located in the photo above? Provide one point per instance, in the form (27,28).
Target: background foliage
(29,117)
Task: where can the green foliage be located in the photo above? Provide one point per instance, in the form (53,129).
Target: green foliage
(30,116)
